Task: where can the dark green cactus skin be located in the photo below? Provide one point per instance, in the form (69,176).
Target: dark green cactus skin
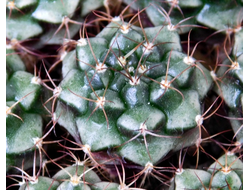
(23,120)
(231,74)
(128,97)
(134,93)
(225,172)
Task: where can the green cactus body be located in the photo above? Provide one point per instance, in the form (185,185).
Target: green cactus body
(41,183)
(125,84)
(191,179)
(227,172)
(231,85)
(25,114)
(71,177)
(114,97)
(22,121)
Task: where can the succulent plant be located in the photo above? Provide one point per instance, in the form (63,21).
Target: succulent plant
(124,94)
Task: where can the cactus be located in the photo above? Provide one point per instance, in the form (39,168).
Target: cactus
(120,94)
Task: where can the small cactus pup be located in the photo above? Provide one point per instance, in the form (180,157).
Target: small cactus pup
(176,15)
(83,174)
(19,121)
(230,74)
(25,112)
(50,20)
(187,178)
(228,171)
(120,96)
(191,179)
(30,181)
(41,182)
(75,177)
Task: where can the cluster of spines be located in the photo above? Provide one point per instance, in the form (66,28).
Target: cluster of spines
(143,130)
